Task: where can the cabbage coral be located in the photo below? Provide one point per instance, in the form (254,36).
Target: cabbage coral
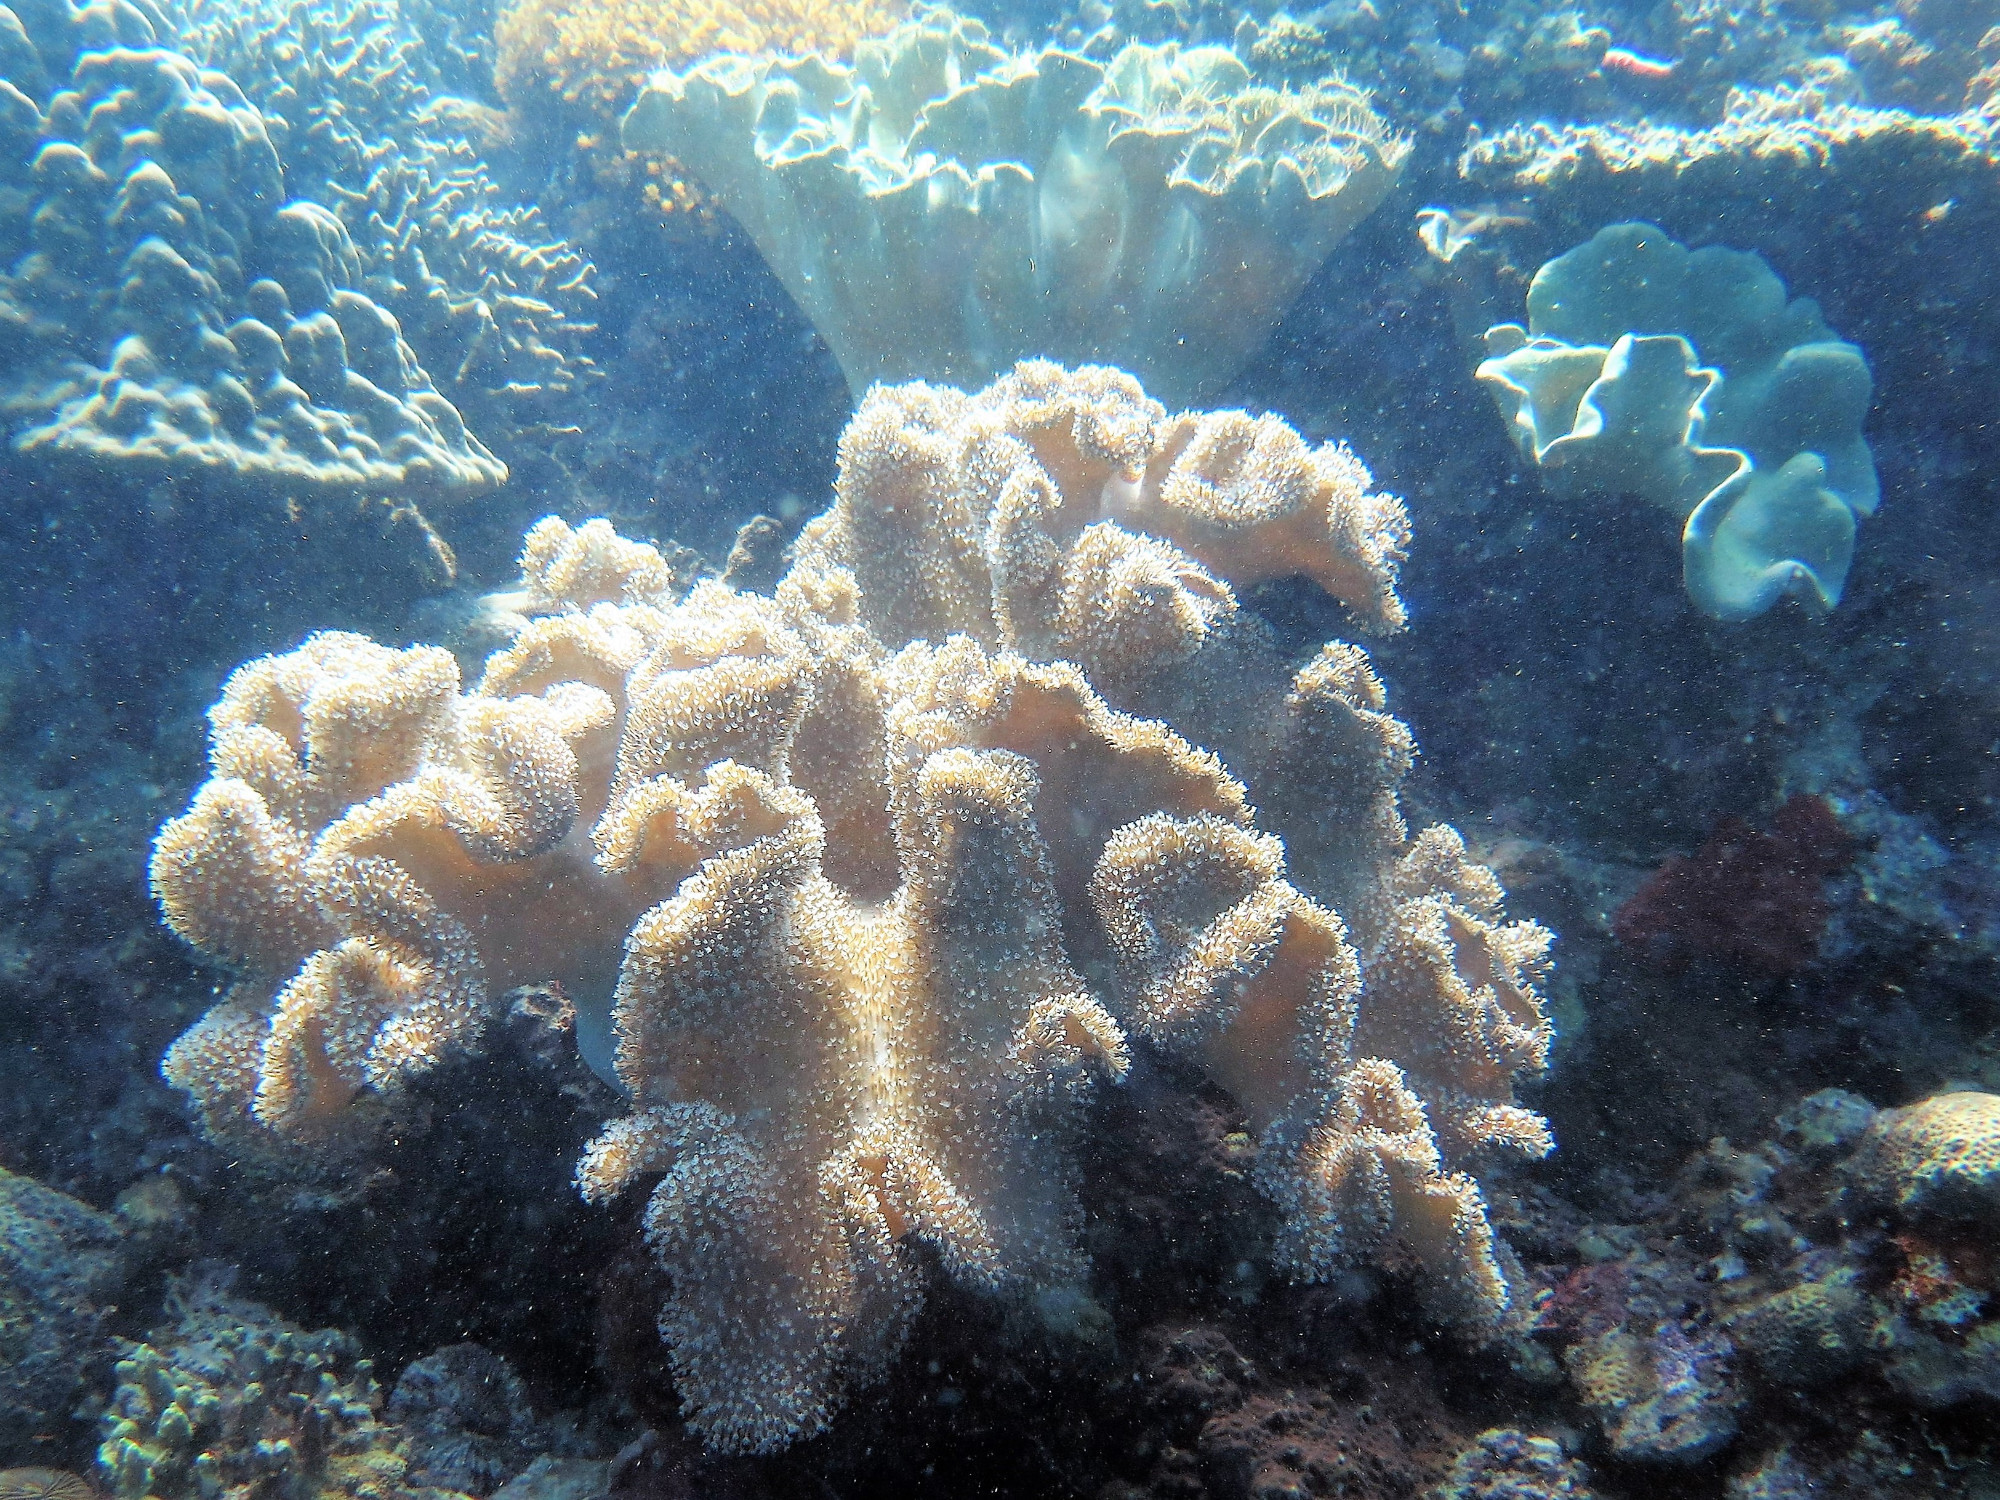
(1686,378)
(858,889)
(943,208)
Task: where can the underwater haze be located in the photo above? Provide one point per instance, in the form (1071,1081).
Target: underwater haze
(1122,749)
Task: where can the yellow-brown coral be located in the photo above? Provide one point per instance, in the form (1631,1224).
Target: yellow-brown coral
(1940,1156)
(824,874)
(597,53)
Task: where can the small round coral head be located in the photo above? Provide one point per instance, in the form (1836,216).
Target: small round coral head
(1623,63)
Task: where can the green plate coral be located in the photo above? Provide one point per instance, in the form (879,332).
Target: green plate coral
(1687,378)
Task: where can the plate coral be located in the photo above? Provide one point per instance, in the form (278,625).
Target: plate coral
(1158,212)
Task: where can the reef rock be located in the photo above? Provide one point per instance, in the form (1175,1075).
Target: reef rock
(857,887)
(1158,212)
(60,1264)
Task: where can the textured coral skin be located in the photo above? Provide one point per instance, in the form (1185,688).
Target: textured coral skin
(824,874)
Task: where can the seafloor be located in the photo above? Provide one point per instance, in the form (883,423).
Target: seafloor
(1769,848)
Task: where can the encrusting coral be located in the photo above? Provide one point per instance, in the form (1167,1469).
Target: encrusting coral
(1158,212)
(857,886)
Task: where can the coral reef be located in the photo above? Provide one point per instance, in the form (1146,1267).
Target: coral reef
(1158,212)
(1663,1397)
(232,1398)
(835,879)
(1751,900)
(1758,451)
(61,1262)
(1914,196)
(1504,1464)
(494,304)
(1754,1311)
(169,314)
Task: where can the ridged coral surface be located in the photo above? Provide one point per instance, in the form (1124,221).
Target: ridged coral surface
(1158,212)
(1938,1157)
(169,312)
(494,302)
(857,888)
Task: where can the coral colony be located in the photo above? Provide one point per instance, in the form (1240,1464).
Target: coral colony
(1606,391)
(823,872)
(1157,212)
(973,974)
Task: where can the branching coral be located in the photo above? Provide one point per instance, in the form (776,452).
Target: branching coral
(232,1399)
(1158,212)
(175,316)
(893,858)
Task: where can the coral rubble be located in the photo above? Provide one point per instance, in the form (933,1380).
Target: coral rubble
(855,887)
(1158,212)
